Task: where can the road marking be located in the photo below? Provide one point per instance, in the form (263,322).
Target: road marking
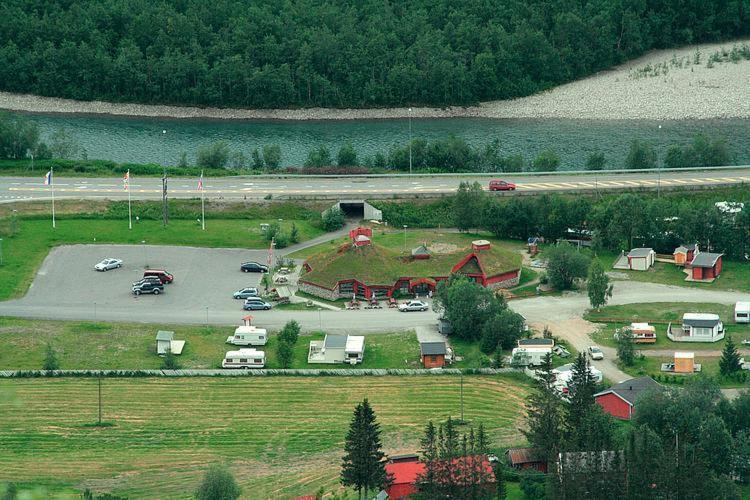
(524,186)
(632,183)
(586,184)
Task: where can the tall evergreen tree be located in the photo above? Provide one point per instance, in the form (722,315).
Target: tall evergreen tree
(500,489)
(427,481)
(363,466)
(581,391)
(545,414)
(729,364)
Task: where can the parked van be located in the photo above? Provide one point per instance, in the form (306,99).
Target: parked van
(163,276)
(248,335)
(244,358)
(742,312)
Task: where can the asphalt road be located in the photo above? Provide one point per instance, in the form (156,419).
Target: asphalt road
(26,188)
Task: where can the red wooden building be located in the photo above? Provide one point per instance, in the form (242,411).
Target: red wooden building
(405,469)
(525,459)
(432,354)
(620,399)
(706,266)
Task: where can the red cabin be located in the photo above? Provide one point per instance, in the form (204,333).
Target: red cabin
(706,266)
(620,399)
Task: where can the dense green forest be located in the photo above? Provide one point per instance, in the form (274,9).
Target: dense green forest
(270,54)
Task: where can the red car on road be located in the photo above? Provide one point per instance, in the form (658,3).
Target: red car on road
(498,185)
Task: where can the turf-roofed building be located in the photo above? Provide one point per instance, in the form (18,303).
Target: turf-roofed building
(363,268)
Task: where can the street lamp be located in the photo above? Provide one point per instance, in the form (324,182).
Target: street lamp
(145,259)
(405,238)
(409,141)
(1,251)
(14,222)
(658,171)
(320,318)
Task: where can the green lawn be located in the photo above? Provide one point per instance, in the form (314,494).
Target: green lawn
(660,314)
(24,252)
(280,436)
(132,346)
(734,275)
(652,367)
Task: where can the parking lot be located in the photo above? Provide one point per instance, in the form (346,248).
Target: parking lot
(203,278)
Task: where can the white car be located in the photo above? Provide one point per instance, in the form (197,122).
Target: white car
(595,352)
(108,264)
(413,305)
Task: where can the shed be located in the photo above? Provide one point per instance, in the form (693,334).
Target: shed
(164,342)
(525,459)
(432,354)
(641,259)
(337,349)
(684,254)
(479,245)
(444,326)
(620,399)
(684,362)
(404,477)
(706,266)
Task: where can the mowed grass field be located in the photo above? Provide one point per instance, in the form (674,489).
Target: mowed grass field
(24,252)
(281,436)
(132,346)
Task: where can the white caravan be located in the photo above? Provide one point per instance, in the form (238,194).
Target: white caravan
(244,358)
(248,335)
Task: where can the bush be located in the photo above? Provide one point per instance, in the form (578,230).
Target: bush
(290,332)
(641,155)
(596,161)
(347,156)
(169,362)
(333,219)
(50,359)
(565,265)
(546,161)
(284,353)
(272,156)
(218,484)
(319,157)
(214,156)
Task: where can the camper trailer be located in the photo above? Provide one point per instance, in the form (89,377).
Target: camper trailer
(742,312)
(244,358)
(529,356)
(248,335)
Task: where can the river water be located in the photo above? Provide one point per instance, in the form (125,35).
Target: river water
(141,140)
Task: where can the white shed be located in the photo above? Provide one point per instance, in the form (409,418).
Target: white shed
(641,259)
(164,342)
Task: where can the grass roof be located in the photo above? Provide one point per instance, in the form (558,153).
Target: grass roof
(378,265)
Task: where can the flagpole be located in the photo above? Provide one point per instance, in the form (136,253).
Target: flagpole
(52,186)
(203,206)
(130,216)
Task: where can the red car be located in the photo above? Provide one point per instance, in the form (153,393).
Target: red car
(498,185)
(163,276)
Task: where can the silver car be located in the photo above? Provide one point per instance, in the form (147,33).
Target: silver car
(245,293)
(108,264)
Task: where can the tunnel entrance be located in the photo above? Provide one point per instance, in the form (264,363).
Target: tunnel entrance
(353,209)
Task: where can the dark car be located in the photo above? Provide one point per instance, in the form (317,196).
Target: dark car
(500,185)
(148,287)
(163,276)
(148,279)
(253,267)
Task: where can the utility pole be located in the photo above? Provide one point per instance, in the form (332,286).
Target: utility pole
(100,400)
(462,397)
(658,170)
(409,141)
(165,206)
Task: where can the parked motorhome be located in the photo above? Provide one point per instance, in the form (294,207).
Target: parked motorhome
(742,312)
(244,358)
(529,356)
(248,335)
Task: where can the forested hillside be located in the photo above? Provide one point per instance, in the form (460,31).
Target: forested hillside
(361,53)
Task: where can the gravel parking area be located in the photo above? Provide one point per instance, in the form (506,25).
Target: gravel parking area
(203,277)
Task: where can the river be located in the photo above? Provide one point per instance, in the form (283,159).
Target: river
(143,141)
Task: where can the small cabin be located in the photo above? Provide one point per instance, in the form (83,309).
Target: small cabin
(684,254)
(337,349)
(164,342)
(641,259)
(706,266)
(244,359)
(248,335)
(684,362)
(480,245)
(432,354)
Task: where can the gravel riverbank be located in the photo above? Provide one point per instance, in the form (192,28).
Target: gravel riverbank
(675,84)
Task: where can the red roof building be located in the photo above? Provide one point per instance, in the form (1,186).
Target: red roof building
(620,399)
(525,459)
(405,472)
(706,266)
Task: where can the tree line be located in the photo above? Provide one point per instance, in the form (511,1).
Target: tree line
(612,222)
(267,54)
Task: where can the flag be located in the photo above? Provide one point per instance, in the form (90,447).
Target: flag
(126,181)
(48,179)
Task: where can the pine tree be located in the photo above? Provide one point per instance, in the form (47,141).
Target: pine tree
(599,288)
(363,466)
(500,489)
(581,391)
(427,481)
(50,359)
(729,364)
(448,451)
(545,414)
(626,346)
